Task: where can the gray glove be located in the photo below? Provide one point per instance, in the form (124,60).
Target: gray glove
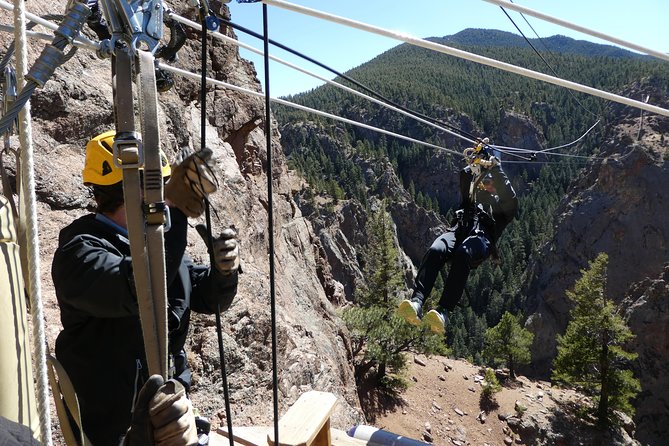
(192,180)
(225,249)
(163,416)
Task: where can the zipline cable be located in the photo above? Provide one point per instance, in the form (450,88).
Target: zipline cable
(431,122)
(190,75)
(225,38)
(468,56)
(270,225)
(542,58)
(579,28)
(474,140)
(207,213)
(359,84)
(223,84)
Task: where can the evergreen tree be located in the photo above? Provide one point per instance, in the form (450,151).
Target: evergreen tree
(590,354)
(509,343)
(378,336)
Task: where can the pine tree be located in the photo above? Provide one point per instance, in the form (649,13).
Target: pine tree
(509,343)
(590,354)
(379,337)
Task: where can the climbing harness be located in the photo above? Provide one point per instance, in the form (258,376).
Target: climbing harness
(478,160)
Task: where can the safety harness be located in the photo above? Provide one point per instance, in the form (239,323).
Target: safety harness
(478,159)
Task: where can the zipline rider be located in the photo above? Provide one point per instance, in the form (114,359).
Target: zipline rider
(101,345)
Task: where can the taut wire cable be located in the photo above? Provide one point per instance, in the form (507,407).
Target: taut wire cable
(468,56)
(270,226)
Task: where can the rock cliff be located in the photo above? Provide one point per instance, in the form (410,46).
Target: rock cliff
(647,314)
(313,349)
(617,206)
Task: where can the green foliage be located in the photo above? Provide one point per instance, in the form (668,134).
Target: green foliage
(508,343)
(379,337)
(590,354)
(490,387)
(443,87)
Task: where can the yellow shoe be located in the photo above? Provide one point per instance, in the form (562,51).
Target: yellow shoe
(409,311)
(436,320)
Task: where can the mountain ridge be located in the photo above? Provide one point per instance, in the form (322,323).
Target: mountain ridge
(557,43)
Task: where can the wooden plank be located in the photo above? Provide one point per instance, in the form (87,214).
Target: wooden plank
(246,436)
(302,423)
(341,438)
(257,436)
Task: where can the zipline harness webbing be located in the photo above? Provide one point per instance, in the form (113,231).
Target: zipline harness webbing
(270,227)
(145,236)
(28,225)
(468,56)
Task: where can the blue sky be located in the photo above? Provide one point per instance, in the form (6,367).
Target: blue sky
(643,22)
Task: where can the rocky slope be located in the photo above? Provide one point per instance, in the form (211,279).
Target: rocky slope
(618,207)
(312,353)
(442,405)
(647,313)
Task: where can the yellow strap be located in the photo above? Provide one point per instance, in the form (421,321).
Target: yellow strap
(65,398)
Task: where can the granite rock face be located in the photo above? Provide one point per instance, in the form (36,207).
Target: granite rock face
(313,352)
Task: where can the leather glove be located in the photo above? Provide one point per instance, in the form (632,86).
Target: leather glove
(192,180)
(225,249)
(163,416)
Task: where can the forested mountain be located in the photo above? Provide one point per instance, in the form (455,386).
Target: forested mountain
(349,168)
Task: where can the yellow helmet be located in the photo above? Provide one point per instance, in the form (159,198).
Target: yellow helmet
(99,167)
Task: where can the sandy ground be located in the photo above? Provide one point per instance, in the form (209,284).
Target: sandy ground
(443,400)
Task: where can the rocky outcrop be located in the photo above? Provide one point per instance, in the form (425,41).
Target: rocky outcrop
(647,315)
(313,348)
(616,206)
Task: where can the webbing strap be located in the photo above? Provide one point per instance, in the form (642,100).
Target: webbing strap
(154,204)
(64,397)
(7,187)
(152,303)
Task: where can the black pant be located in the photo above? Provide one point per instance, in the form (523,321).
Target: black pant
(463,255)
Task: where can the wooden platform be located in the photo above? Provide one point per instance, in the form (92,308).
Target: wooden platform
(257,436)
(306,423)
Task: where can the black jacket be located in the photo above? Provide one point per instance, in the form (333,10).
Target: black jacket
(486,212)
(101,344)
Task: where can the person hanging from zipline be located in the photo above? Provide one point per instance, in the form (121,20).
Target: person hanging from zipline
(101,345)
(489,204)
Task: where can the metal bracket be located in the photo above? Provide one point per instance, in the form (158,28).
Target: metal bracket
(137,22)
(123,157)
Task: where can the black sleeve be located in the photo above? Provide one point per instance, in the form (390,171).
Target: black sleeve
(175,243)
(91,275)
(211,288)
(508,201)
(465,182)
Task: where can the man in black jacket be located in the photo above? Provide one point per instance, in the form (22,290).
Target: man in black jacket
(486,209)
(101,345)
